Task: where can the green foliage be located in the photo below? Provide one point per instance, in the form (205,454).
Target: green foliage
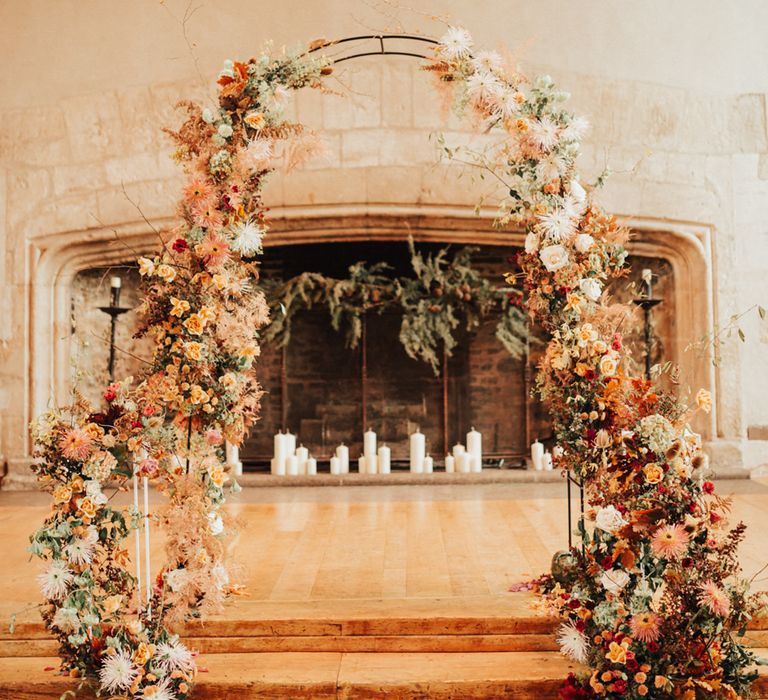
(445,293)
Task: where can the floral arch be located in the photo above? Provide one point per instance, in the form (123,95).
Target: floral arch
(650,602)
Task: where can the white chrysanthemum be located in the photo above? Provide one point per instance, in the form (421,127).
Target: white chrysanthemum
(55,582)
(117,672)
(573,643)
(258,154)
(80,550)
(484,87)
(544,132)
(455,43)
(248,238)
(488,62)
(575,130)
(66,619)
(504,104)
(574,207)
(161,691)
(557,225)
(174,656)
(550,167)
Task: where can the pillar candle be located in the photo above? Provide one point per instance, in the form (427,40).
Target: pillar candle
(475,464)
(292,465)
(280,465)
(384,460)
(147,574)
(428,464)
(335,465)
(418,452)
(458,450)
(450,464)
(548,461)
(537,453)
(463,462)
(280,453)
(369,445)
(302,454)
(361,464)
(475,446)
(290,443)
(371,464)
(232,453)
(342,452)
(311,466)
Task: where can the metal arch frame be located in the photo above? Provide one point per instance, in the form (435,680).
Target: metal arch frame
(382,49)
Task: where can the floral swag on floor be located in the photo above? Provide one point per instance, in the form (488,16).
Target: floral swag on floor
(649,606)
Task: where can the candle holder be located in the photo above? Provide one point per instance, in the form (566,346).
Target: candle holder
(113,311)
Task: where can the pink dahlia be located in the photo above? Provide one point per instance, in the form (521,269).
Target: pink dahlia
(670,541)
(207,216)
(646,626)
(213,250)
(76,443)
(715,598)
(198,193)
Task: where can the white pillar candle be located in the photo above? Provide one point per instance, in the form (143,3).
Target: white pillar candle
(342,452)
(302,454)
(548,461)
(458,450)
(372,464)
(450,464)
(280,453)
(384,460)
(361,464)
(139,603)
(475,464)
(475,446)
(290,444)
(335,465)
(418,452)
(292,465)
(232,453)
(147,574)
(369,446)
(463,462)
(428,464)
(311,466)
(537,453)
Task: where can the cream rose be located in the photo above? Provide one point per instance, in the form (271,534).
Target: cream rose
(583,243)
(609,519)
(554,257)
(613,581)
(531,243)
(590,288)
(608,365)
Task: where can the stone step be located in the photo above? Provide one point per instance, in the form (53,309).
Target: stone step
(347,676)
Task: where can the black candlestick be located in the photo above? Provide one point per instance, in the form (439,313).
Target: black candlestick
(647,303)
(113,310)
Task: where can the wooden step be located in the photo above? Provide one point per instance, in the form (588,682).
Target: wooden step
(348,676)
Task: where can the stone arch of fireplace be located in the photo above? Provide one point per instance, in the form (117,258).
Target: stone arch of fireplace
(57,259)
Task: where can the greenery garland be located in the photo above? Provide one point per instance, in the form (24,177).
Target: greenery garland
(444,293)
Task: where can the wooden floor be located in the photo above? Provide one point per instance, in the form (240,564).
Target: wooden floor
(414,577)
(305,544)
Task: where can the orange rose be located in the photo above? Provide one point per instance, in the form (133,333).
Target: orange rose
(617,653)
(653,473)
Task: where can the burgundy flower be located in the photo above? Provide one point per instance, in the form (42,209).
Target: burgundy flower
(180,245)
(715,517)
(620,686)
(572,690)
(708,487)
(653,647)
(590,375)
(110,394)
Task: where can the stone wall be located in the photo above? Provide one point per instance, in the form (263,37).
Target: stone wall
(85,173)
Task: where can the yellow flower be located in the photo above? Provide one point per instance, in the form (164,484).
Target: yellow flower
(95,431)
(166,272)
(586,334)
(653,473)
(77,484)
(522,125)
(249,351)
(87,507)
(228,380)
(574,302)
(146,266)
(617,653)
(180,307)
(206,313)
(255,120)
(219,281)
(193,351)
(61,494)
(112,603)
(197,395)
(704,400)
(195,324)
(143,654)
(218,477)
